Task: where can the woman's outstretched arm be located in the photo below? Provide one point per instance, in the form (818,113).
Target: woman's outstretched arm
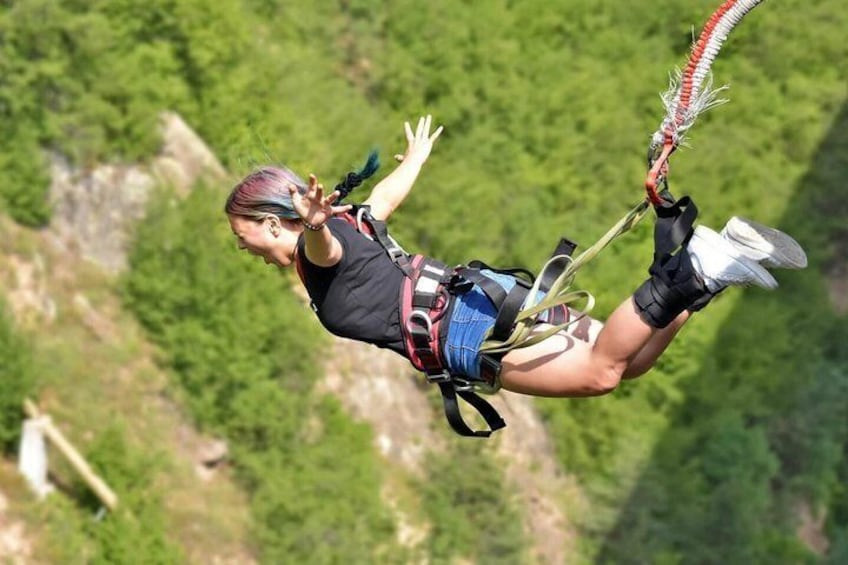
(315,210)
(392,190)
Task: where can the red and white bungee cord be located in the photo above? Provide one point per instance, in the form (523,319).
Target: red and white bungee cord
(690,93)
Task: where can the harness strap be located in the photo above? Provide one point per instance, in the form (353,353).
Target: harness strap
(673,228)
(564,249)
(380,233)
(493,291)
(424,303)
(454,417)
(508,311)
(523,276)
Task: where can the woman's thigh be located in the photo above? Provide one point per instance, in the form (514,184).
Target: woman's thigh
(562,365)
(585,328)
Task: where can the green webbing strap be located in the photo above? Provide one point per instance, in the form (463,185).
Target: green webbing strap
(560,293)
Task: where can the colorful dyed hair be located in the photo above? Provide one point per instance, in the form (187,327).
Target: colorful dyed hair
(265,191)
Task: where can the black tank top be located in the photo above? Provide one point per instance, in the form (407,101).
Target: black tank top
(358,298)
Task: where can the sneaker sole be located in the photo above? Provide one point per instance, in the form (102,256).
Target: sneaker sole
(773,248)
(751,273)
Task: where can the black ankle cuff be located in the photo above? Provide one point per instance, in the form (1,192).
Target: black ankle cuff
(700,303)
(658,306)
(673,287)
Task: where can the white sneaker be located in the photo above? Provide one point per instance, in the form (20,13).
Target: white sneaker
(721,264)
(770,247)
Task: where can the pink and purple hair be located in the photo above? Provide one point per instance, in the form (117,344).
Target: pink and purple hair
(266,190)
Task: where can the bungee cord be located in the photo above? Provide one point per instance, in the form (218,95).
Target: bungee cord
(690,93)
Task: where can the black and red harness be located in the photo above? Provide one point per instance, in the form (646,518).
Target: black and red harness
(425,303)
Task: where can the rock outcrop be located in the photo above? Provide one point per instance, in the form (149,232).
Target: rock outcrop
(94,211)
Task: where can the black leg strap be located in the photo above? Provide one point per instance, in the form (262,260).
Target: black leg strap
(454,417)
(672,288)
(508,312)
(674,227)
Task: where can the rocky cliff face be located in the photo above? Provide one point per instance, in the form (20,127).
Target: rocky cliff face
(95,210)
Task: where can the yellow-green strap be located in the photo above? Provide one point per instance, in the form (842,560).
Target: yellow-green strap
(560,293)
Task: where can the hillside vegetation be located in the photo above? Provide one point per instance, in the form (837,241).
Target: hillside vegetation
(729,448)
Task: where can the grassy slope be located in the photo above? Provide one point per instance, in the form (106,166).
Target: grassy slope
(97,371)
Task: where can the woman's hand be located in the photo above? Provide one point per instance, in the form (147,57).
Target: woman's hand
(312,207)
(420,143)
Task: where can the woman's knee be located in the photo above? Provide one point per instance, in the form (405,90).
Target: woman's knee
(605,380)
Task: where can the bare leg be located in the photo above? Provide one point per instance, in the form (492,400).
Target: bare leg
(655,347)
(593,360)
(563,365)
(587,329)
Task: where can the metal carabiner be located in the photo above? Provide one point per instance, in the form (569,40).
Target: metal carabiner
(418,314)
(462,385)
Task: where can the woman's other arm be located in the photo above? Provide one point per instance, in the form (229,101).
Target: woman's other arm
(392,190)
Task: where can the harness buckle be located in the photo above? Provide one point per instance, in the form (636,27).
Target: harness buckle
(443,377)
(423,318)
(460,384)
(395,253)
(490,369)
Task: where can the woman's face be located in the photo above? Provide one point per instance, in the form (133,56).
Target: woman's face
(271,238)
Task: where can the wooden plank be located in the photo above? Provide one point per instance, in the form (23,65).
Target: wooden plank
(98,485)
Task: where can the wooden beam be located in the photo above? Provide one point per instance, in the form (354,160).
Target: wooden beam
(98,485)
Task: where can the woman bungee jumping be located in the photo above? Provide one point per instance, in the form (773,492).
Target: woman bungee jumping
(365,287)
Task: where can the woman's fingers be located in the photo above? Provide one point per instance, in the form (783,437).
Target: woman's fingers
(333,197)
(437,133)
(341,209)
(422,132)
(313,185)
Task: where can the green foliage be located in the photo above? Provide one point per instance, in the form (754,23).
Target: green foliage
(137,532)
(17,374)
(23,190)
(318,499)
(471,512)
(225,322)
(86,79)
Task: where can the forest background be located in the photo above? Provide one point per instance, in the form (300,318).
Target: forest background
(720,455)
